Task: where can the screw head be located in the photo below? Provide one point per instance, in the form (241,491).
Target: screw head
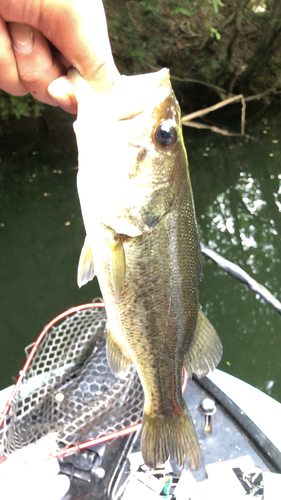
(100,472)
(208,406)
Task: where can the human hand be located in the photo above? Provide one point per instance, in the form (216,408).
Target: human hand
(28,475)
(41,39)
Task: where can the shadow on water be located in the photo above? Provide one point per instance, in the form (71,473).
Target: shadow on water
(238,201)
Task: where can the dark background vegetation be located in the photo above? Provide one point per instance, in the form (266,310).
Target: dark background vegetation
(214,48)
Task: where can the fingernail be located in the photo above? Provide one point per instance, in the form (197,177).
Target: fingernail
(22,37)
(61,91)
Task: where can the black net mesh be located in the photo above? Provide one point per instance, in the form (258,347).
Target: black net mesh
(69,390)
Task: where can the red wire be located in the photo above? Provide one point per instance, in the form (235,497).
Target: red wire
(102,439)
(92,442)
(112,435)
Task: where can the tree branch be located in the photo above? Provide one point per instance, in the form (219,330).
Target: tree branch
(210,127)
(205,111)
(186,120)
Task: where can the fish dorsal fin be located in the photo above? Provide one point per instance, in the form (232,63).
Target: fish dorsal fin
(205,351)
(118,362)
(85,271)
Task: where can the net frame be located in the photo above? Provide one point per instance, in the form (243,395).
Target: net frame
(131,383)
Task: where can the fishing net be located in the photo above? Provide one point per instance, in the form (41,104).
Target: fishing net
(68,390)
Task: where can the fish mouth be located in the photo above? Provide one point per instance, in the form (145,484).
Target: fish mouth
(130,96)
(130,116)
(165,78)
(134,95)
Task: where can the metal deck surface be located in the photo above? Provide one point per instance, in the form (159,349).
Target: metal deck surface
(227,441)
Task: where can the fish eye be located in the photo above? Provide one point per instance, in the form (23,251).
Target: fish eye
(166,134)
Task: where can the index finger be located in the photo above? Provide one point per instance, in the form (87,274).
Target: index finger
(77,28)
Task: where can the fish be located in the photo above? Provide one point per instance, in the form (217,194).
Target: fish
(142,243)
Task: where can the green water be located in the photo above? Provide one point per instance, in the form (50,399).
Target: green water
(237,190)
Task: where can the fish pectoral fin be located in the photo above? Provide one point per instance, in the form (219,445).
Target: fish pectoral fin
(118,261)
(118,268)
(205,351)
(86,270)
(118,362)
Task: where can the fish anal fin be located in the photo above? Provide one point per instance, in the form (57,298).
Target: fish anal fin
(118,362)
(170,435)
(86,270)
(205,351)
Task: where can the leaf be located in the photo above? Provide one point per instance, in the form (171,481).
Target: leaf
(19,106)
(215,32)
(216,4)
(181,10)
(214,64)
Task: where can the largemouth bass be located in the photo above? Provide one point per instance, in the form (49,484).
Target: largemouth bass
(142,243)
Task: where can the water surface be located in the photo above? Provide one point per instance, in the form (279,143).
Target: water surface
(237,190)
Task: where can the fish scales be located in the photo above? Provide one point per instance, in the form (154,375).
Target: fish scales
(152,316)
(149,268)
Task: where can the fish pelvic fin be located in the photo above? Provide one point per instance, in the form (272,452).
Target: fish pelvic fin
(118,362)
(86,270)
(172,435)
(205,351)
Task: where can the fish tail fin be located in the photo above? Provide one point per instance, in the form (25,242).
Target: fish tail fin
(174,436)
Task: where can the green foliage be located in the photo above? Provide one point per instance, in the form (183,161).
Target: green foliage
(194,39)
(216,4)
(181,10)
(214,65)
(183,7)
(149,5)
(215,32)
(19,106)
